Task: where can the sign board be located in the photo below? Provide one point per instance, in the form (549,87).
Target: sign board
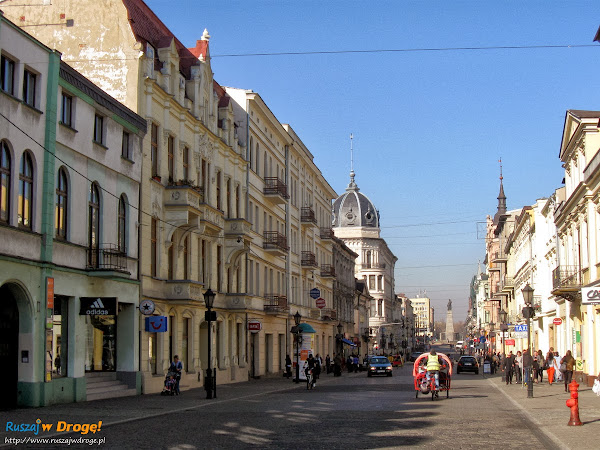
(156,324)
(320,303)
(509,342)
(49,292)
(590,296)
(98,306)
(487,367)
(521,328)
(147,307)
(315,293)
(557,321)
(482,339)
(254,326)
(520,335)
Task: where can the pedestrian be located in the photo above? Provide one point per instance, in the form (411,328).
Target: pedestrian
(568,362)
(176,367)
(337,365)
(349,363)
(508,367)
(355,362)
(288,366)
(317,369)
(527,367)
(541,362)
(557,373)
(518,367)
(328,364)
(549,364)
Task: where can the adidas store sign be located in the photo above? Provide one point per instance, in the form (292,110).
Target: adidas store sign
(98,306)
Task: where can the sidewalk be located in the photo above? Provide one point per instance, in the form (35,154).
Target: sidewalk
(548,410)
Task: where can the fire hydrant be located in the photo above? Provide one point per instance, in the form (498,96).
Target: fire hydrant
(573,403)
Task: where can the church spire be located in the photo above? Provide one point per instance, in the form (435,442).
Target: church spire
(501,196)
(352,185)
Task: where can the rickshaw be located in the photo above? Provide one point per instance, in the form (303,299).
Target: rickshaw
(420,376)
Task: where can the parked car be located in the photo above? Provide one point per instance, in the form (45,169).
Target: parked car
(467,364)
(379,365)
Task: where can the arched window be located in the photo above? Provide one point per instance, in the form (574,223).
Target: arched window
(122,225)
(61,207)
(25,207)
(94,225)
(5,168)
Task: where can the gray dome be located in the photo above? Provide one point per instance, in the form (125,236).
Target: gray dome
(354,209)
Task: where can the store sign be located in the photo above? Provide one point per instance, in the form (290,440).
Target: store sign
(254,326)
(98,306)
(49,292)
(510,342)
(156,324)
(590,296)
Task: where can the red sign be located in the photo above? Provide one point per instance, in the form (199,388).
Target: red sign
(49,292)
(557,321)
(476,340)
(509,342)
(320,303)
(254,326)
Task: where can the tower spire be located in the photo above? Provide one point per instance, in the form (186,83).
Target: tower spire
(352,184)
(501,196)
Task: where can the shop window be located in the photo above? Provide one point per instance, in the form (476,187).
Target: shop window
(152,352)
(60,334)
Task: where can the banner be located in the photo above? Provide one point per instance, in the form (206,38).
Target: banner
(98,306)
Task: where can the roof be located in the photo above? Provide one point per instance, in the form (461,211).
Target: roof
(354,209)
(147,27)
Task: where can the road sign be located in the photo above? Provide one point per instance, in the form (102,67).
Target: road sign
(482,339)
(320,303)
(557,321)
(315,293)
(522,328)
(254,326)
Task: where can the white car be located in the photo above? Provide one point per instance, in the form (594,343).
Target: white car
(459,344)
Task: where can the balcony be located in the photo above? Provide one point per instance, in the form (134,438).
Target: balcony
(276,190)
(308,259)
(567,282)
(499,257)
(328,314)
(327,271)
(371,266)
(184,290)
(107,258)
(508,284)
(184,205)
(237,237)
(326,233)
(307,216)
(275,243)
(275,303)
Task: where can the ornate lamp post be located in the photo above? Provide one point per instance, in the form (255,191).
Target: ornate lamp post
(503,329)
(528,313)
(210,381)
(296,330)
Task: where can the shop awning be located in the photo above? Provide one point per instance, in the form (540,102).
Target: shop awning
(349,342)
(306,328)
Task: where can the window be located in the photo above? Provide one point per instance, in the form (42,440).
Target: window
(171,155)
(186,163)
(99,129)
(171,259)
(185,347)
(59,348)
(219,190)
(152,352)
(219,264)
(62,197)
(186,250)
(202,274)
(125,145)
(29,85)
(25,207)
(94,225)
(122,225)
(154,149)
(5,168)
(7,74)
(237,201)
(153,247)
(228,197)
(66,112)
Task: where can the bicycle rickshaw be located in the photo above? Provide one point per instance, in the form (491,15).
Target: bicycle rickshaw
(420,376)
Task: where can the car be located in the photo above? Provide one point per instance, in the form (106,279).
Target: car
(379,365)
(414,356)
(467,364)
(364,364)
(459,345)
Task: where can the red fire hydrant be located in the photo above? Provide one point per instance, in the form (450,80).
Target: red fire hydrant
(573,403)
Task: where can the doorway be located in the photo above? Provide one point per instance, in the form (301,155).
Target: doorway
(101,344)
(9,348)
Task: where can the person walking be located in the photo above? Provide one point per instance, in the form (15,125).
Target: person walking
(527,367)
(337,365)
(328,364)
(540,370)
(549,363)
(176,367)
(288,366)
(518,367)
(508,366)
(568,362)
(557,373)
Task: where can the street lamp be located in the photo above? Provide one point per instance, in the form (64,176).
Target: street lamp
(297,330)
(528,313)
(210,381)
(503,329)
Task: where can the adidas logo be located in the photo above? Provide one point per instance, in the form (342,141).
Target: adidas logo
(97,304)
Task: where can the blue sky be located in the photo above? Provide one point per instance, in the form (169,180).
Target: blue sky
(429,126)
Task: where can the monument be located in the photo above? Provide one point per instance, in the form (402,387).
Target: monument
(448,335)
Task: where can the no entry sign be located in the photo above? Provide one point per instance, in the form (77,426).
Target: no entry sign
(320,303)
(557,321)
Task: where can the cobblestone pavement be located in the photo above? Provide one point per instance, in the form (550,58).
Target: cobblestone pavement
(348,412)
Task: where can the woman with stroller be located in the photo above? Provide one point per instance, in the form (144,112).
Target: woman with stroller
(176,367)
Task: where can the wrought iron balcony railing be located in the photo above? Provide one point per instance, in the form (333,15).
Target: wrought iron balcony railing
(106,257)
(307,215)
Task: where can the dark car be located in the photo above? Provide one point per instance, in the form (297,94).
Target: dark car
(467,364)
(379,365)
(414,356)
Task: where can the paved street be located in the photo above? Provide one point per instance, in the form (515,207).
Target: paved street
(348,412)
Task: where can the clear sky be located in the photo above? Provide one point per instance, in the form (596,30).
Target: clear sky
(429,125)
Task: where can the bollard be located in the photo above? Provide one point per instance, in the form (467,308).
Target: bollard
(573,403)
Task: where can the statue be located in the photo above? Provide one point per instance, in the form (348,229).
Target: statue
(449,305)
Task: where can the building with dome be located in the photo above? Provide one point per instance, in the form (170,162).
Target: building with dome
(356,222)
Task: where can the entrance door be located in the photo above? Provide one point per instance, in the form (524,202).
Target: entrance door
(9,348)
(101,348)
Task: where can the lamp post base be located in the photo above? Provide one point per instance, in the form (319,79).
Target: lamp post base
(208,384)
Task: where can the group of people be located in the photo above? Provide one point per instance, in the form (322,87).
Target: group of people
(524,366)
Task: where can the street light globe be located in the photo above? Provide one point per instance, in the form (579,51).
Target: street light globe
(297,318)
(340,327)
(527,294)
(209,298)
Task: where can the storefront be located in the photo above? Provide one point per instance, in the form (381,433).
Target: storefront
(101,333)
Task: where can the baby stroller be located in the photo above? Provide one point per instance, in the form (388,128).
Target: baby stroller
(170,384)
